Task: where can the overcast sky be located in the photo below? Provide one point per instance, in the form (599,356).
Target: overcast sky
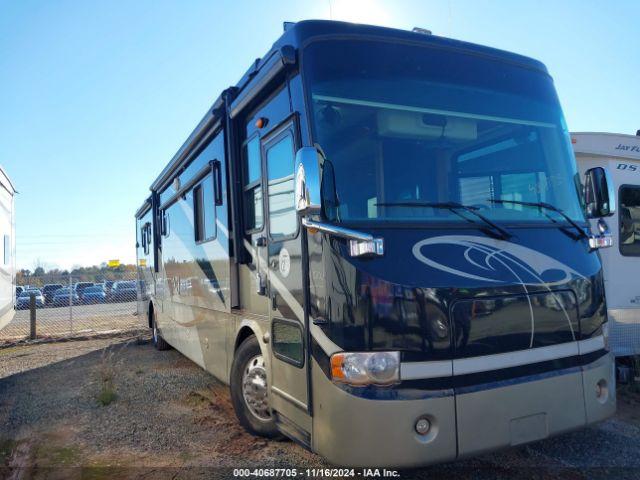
(96,96)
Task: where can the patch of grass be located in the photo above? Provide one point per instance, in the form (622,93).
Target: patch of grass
(58,456)
(6,449)
(197,399)
(106,396)
(8,350)
(106,375)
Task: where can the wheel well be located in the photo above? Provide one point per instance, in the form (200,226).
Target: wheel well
(150,315)
(243,334)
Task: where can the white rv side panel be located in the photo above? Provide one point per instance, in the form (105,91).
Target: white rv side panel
(7,250)
(620,154)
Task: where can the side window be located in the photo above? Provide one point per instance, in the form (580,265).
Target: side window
(7,249)
(253,215)
(204,210)
(143,238)
(280,166)
(629,220)
(287,342)
(146,237)
(164,223)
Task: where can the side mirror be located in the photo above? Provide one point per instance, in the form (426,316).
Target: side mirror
(307,190)
(599,193)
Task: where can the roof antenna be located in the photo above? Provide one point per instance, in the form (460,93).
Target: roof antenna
(423,31)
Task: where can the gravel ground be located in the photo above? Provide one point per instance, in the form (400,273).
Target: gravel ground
(170,419)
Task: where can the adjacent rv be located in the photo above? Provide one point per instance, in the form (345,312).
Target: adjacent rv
(7,261)
(379,239)
(620,154)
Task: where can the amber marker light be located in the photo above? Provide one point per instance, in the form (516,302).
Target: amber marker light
(337,373)
(261,122)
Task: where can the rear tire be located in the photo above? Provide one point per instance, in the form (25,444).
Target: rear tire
(249,390)
(157,339)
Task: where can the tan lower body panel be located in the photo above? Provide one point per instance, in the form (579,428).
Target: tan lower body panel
(353,431)
(519,413)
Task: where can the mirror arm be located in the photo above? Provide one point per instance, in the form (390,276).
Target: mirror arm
(360,244)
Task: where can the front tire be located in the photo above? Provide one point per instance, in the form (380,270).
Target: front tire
(249,390)
(156,337)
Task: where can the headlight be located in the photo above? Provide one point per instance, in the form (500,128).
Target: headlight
(605,335)
(366,368)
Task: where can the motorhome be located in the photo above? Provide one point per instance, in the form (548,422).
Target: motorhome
(7,266)
(620,154)
(378,239)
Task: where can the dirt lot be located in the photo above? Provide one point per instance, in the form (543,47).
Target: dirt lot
(119,409)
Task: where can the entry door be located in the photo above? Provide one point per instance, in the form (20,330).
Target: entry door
(289,372)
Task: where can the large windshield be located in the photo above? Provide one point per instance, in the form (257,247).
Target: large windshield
(406,128)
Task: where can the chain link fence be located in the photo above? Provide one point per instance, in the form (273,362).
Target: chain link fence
(79,305)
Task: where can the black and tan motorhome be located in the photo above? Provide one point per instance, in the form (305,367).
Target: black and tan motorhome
(379,239)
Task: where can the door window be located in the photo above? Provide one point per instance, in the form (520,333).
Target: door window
(629,220)
(280,166)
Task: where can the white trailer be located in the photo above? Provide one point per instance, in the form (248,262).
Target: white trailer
(7,258)
(621,155)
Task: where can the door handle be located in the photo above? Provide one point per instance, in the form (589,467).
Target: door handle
(274,302)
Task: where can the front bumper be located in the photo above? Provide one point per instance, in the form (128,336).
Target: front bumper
(351,429)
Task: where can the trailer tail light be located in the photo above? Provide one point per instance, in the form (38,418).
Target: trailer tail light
(366,368)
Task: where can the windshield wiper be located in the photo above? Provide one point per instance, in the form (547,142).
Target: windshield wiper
(548,206)
(453,206)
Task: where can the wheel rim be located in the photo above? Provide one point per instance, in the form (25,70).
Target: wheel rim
(254,388)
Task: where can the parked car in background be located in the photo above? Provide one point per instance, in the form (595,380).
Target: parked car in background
(124,291)
(94,294)
(108,285)
(80,286)
(49,291)
(23,301)
(61,297)
(19,290)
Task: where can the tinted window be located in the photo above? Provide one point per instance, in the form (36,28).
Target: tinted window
(252,159)
(287,342)
(280,166)
(204,210)
(407,128)
(629,221)
(252,185)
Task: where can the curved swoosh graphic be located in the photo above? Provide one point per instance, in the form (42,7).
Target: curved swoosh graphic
(492,259)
